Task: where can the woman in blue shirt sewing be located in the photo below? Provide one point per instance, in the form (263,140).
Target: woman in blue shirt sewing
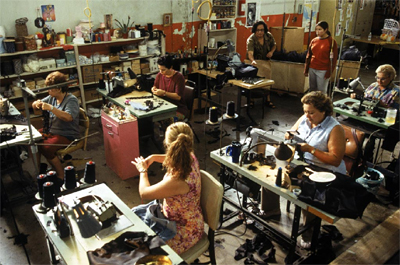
(324,141)
(383,89)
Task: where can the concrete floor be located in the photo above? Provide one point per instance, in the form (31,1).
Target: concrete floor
(232,233)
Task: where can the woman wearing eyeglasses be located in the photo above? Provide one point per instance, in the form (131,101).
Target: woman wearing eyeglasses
(383,89)
(261,45)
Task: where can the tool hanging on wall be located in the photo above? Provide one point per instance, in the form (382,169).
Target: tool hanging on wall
(39,21)
(88,13)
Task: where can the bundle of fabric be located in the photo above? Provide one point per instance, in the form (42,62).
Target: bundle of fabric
(127,249)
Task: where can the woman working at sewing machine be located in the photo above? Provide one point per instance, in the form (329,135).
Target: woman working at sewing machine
(62,126)
(170,85)
(324,140)
(383,89)
(180,188)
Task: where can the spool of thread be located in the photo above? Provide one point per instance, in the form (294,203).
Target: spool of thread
(345,83)
(9,45)
(52,177)
(49,195)
(213,114)
(278,181)
(230,109)
(90,172)
(69,177)
(41,179)
(341,83)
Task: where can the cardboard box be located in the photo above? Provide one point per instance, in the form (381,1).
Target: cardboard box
(289,77)
(144,65)
(91,73)
(30,84)
(347,69)
(135,64)
(293,38)
(39,81)
(47,64)
(145,71)
(91,95)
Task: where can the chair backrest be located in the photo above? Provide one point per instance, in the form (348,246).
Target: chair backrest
(212,192)
(188,98)
(84,123)
(353,152)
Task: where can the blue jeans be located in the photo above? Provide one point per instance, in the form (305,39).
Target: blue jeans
(153,217)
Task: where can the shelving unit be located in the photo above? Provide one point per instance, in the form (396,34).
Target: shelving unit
(86,49)
(223,13)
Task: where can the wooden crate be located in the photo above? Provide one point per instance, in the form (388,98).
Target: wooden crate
(289,77)
(347,69)
(293,38)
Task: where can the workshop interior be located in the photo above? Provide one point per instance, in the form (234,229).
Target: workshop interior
(89,89)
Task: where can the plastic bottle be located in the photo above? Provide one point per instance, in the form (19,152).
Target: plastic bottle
(370,36)
(127,113)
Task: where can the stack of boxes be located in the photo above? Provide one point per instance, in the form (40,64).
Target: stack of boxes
(135,66)
(145,68)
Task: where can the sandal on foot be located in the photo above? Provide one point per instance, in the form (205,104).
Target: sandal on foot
(270,104)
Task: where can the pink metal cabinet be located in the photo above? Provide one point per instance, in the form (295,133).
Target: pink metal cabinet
(121,145)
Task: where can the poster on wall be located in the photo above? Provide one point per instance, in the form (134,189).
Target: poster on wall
(48,13)
(310,8)
(251,12)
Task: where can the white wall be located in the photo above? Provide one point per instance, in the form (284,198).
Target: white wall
(70,12)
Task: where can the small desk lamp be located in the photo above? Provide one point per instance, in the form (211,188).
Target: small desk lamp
(353,85)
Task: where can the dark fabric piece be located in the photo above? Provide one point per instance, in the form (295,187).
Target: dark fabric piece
(222,61)
(351,54)
(343,197)
(119,91)
(127,249)
(246,70)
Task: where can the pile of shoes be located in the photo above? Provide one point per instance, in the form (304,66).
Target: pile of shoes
(258,245)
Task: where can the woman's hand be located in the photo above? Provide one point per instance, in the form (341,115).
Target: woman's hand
(269,55)
(353,95)
(304,147)
(46,106)
(140,163)
(37,104)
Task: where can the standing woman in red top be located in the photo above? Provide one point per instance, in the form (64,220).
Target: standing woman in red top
(321,58)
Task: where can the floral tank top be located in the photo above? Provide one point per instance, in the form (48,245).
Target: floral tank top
(185,210)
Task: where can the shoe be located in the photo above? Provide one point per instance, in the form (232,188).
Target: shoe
(305,244)
(270,104)
(269,214)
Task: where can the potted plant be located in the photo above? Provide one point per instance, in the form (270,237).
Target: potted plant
(124,27)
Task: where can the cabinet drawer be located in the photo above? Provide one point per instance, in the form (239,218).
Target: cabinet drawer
(109,126)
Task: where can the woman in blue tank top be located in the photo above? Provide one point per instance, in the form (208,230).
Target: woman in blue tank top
(324,142)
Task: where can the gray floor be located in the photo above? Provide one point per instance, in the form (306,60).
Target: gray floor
(231,235)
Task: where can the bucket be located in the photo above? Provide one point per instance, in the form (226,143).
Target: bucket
(391,116)
(152,47)
(143,50)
